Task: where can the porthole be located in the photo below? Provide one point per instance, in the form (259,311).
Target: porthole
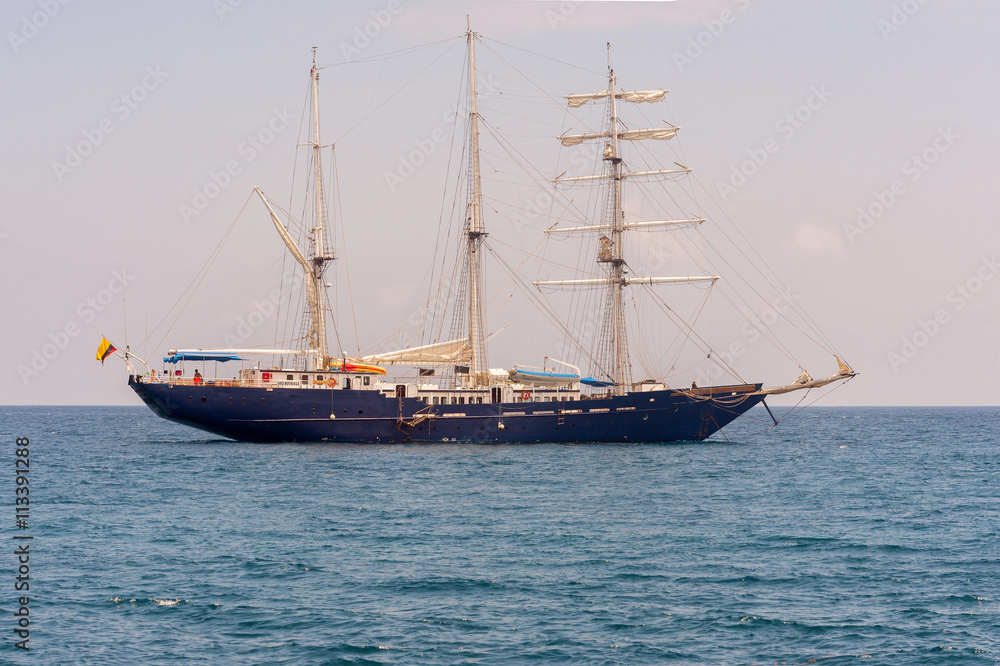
(230,400)
(243,401)
(263,401)
(204,399)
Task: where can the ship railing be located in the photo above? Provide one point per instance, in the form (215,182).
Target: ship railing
(246,383)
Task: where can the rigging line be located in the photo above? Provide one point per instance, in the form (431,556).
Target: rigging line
(680,348)
(368,111)
(398,90)
(702,265)
(707,346)
(429,273)
(774,341)
(238,294)
(392,54)
(543,308)
(568,64)
(529,256)
(532,254)
(828,346)
(303,119)
(444,230)
(536,176)
(531,83)
(196,280)
(343,240)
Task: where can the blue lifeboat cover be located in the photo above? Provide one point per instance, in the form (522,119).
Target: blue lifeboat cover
(200,357)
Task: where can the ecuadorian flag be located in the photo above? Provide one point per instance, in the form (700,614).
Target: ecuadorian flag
(105,349)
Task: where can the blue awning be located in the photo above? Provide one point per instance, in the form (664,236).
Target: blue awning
(201,357)
(590,381)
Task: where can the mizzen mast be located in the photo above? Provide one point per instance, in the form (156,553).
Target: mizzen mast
(313,265)
(320,254)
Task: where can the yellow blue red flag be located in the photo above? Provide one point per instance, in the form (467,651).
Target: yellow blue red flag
(105,349)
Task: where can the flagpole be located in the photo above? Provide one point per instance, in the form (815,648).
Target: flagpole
(124,315)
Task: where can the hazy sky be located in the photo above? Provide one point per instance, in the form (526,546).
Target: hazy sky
(854,142)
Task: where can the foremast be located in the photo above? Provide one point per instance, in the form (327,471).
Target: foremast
(612,354)
(613,351)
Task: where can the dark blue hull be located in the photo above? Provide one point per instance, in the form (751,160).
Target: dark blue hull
(315,415)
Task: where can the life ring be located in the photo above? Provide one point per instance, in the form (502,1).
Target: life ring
(331,382)
(525,395)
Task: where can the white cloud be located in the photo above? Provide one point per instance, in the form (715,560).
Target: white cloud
(811,240)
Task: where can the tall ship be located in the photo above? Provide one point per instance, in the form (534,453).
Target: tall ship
(445,389)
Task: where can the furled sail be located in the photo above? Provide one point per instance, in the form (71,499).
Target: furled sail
(623,175)
(627,281)
(659,133)
(641,224)
(629,96)
(452,352)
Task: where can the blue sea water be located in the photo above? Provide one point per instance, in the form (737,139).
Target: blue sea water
(845,535)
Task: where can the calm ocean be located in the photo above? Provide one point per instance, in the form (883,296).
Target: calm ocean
(845,535)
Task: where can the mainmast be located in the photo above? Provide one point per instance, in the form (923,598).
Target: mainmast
(475,231)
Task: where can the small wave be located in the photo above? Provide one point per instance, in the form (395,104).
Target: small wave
(967,598)
(154,601)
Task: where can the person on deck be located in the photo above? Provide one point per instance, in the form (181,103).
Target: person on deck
(197,377)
